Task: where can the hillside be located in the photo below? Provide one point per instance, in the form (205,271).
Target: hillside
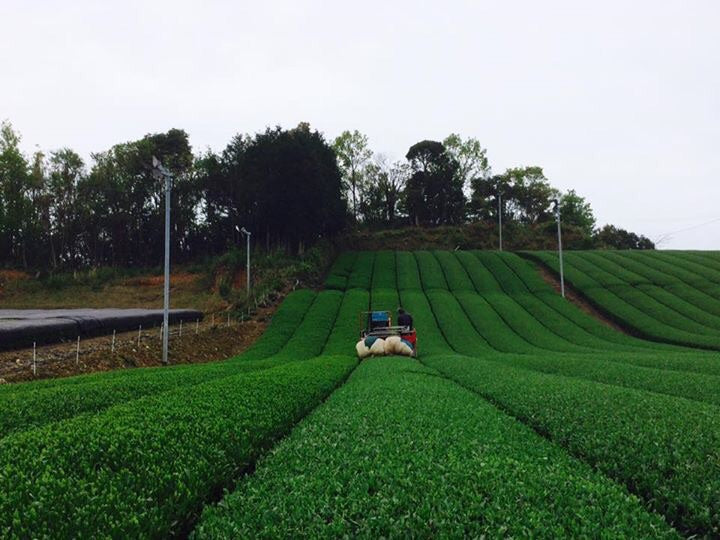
(665,296)
(499,352)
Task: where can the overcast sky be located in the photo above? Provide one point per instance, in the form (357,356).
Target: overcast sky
(619,100)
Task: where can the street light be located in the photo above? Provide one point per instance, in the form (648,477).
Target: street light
(556,209)
(161,173)
(499,194)
(247,234)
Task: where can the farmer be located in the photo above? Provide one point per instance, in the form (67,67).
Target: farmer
(404,319)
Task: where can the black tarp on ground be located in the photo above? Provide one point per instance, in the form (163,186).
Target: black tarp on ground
(22,327)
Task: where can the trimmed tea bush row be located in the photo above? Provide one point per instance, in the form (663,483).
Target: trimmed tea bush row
(384,271)
(431,274)
(385,300)
(340,271)
(284,324)
(481,277)
(709,259)
(398,451)
(665,449)
(528,326)
(346,331)
(408,275)
(311,336)
(634,310)
(698,290)
(455,275)
(33,406)
(532,280)
(691,304)
(361,275)
(520,320)
(143,469)
(623,370)
(457,329)
(674,266)
(430,339)
(661,305)
(491,326)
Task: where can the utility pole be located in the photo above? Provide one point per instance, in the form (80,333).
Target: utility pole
(560,248)
(161,173)
(500,215)
(247,268)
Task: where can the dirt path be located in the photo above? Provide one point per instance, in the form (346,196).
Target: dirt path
(573,296)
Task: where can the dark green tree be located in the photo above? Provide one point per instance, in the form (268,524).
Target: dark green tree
(578,212)
(292,187)
(382,191)
(530,195)
(353,156)
(526,196)
(611,237)
(128,199)
(434,192)
(16,210)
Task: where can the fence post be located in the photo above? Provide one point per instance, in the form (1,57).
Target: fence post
(34,361)
(180,328)
(77,352)
(197,326)
(228,320)
(139,330)
(112,347)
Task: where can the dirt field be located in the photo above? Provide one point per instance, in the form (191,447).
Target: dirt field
(21,291)
(201,343)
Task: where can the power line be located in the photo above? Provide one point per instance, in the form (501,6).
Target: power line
(669,235)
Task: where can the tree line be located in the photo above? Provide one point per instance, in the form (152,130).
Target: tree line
(289,187)
(450,182)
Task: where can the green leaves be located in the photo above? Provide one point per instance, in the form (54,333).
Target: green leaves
(401,451)
(658,300)
(143,468)
(664,448)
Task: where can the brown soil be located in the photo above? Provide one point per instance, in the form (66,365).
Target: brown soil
(573,296)
(211,340)
(12,275)
(157,281)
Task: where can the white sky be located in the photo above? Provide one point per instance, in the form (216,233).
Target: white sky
(617,99)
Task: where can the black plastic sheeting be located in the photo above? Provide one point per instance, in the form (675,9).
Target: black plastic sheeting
(22,327)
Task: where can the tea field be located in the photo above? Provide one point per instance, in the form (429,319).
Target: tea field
(522,416)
